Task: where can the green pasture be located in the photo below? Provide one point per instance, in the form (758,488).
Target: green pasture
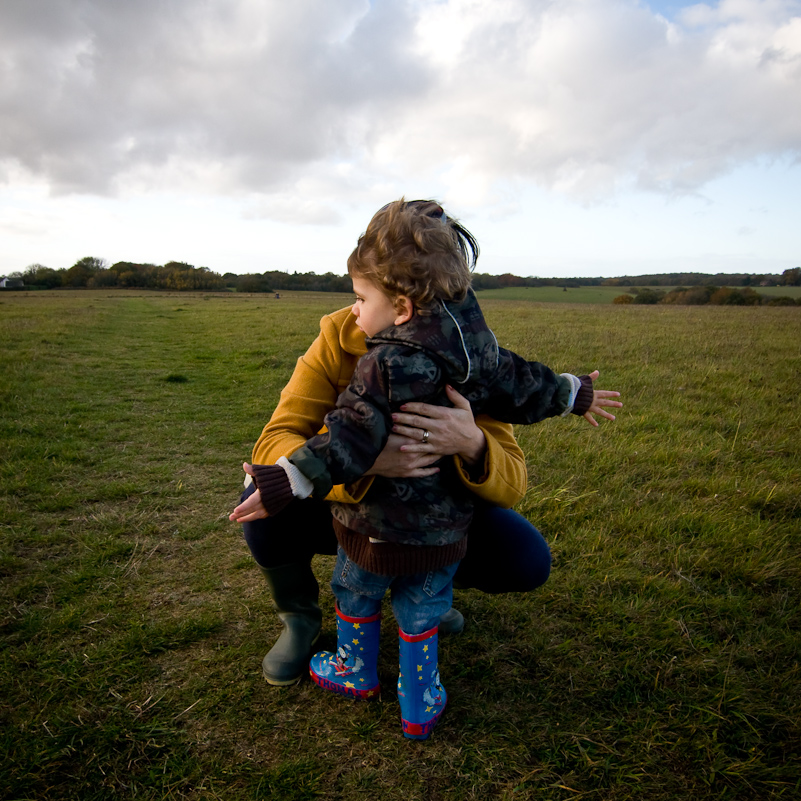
(662,660)
(599,294)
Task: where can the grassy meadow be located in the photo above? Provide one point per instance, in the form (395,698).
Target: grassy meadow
(660,661)
(601,294)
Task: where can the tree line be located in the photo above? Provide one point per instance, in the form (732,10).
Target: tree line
(94,273)
(703,295)
(790,277)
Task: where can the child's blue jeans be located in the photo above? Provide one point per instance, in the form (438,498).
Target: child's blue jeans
(418,601)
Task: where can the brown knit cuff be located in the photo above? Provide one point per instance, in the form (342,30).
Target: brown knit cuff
(584,396)
(273,485)
(393,559)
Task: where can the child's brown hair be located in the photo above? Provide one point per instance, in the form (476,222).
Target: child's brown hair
(413,248)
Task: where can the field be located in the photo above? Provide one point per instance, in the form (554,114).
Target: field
(660,661)
(600,294)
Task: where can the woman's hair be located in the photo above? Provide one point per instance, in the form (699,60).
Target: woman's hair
(413,248)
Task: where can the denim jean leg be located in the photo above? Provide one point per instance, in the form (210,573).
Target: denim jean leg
(420,600)
(358,592)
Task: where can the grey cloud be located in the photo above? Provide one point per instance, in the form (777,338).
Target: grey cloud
(262,87)
(251,96)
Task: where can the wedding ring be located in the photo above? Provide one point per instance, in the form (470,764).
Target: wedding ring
(426,435)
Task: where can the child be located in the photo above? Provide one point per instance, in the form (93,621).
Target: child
(424,331)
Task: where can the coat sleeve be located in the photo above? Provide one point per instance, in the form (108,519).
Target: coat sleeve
(308,396)
(356,430)
(526,392)
(504,477)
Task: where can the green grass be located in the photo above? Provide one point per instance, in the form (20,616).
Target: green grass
(554,294)
(599,294)
(660,661)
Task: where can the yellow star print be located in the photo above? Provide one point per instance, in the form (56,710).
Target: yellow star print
(357,625)
(425,648)
(419,668)
(355,641)
(350,684)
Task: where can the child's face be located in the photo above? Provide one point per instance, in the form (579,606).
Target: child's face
(373,310)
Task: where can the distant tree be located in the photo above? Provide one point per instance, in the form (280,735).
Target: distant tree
(699,296)
(623,299)
(39,275)
(649,296)
(792,277)
(485,281)
(103,279)
(83,269)
(253,283)
(728,296)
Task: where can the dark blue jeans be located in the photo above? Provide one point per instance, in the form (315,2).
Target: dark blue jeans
(505,553)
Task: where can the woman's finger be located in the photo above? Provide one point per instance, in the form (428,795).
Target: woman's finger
(458,400)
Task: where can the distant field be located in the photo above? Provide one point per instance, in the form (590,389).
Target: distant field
(597,294)
(659,662)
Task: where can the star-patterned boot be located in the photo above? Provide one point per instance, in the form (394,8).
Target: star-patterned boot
(353,669)
(422,697)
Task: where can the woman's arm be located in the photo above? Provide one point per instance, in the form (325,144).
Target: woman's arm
(310,394)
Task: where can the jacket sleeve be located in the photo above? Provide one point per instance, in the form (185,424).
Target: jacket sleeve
(526,392)
(310,394)
(357,429)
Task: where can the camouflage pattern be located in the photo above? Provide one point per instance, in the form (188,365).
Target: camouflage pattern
(414,362)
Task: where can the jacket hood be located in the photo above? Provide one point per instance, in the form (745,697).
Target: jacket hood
(455,333)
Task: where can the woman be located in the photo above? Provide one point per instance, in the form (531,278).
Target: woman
(505,554)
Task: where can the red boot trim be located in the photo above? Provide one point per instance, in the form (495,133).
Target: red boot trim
(349,619)
(418,637)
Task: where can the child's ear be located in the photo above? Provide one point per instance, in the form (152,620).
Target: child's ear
(404,308)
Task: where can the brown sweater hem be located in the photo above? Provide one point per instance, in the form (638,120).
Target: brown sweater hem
(393,559)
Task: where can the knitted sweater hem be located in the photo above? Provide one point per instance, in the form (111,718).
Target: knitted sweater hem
(393,559)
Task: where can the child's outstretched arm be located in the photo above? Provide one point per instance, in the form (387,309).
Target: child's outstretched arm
(601,398)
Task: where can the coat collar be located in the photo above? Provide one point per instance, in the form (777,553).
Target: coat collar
(351,338)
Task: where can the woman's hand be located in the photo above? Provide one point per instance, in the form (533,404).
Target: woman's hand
(251,508)
(395,462)
(437,431)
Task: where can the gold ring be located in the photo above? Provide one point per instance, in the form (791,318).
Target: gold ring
(426,435)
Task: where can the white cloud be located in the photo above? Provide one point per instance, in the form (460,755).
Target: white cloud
(305,110)
(583,96)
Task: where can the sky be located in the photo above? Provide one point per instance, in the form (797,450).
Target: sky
(572,137)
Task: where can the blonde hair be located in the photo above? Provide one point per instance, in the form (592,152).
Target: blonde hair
(413,248)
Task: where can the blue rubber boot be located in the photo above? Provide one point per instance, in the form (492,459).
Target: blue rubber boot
(422,697)
(353,669)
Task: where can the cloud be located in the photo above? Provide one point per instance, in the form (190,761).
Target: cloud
(471,97)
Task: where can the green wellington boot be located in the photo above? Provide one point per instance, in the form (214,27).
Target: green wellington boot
(295,592)
(452,622)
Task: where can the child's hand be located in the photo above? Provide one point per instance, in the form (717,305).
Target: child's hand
(601,398)
(251,508)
